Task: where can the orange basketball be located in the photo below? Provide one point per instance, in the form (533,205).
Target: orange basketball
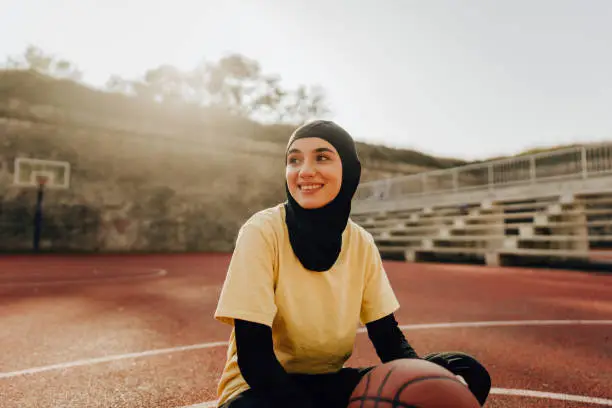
(411,383)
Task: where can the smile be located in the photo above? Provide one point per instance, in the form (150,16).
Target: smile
(311,187)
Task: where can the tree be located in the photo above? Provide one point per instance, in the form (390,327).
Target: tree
(303,104)
(233,80)
(117,84)
(37,60)
(234,83)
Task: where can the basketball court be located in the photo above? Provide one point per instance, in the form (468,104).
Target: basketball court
(138,331)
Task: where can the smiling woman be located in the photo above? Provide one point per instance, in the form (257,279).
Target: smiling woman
(302,278)
(314,172)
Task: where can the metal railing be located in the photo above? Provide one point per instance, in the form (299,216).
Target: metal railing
(573,163)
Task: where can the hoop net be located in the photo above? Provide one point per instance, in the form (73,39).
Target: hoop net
(41,180)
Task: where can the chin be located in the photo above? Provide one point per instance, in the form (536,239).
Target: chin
(312,204)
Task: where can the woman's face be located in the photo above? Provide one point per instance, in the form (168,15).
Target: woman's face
(313,172)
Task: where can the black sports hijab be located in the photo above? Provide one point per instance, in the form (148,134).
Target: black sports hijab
(316,234)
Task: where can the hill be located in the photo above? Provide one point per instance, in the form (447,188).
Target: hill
(115,109)
(146,176)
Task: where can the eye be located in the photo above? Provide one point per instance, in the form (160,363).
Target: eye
(322,157)
(292,160)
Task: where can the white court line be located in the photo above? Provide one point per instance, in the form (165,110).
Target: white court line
(495,391)
(498,323)
(79,363)
(153,274)
(538,394)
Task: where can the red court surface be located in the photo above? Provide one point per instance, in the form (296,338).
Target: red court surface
(138,331)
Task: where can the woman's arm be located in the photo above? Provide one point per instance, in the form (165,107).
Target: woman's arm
(388,339)
(261,369)
(256,359)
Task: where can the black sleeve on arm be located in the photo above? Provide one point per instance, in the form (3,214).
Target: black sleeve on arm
(388,339)
(257,362)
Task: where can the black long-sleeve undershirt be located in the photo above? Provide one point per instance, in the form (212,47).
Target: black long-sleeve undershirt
(256,359)
(263,372)
(388,339)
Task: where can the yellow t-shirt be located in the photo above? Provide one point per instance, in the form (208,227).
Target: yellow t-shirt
(314,315)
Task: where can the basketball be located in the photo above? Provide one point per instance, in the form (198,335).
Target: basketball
(411,383)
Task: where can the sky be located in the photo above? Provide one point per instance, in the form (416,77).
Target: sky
(470,79)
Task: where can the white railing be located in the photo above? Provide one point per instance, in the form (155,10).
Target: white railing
(572,163)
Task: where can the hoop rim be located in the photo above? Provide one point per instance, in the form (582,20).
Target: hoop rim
(41,180)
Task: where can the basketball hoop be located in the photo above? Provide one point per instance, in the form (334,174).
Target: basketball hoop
(39,173)
(41,181)
(43,175)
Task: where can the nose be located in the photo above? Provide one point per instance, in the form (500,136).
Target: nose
(308,169)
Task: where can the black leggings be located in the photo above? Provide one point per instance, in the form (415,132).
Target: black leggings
(334,390)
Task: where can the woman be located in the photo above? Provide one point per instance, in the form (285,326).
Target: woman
(301,279)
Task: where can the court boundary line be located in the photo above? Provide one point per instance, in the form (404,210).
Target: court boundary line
(498,323)
(108,359)
(148,353)
(495,391)
(548,395)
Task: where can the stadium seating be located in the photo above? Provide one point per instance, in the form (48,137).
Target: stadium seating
(557,216)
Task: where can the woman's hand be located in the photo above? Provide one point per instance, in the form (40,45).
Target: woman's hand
(469,371)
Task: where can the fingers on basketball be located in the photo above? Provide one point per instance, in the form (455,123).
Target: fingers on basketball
(411,383)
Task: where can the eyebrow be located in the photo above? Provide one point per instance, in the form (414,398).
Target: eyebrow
(319,150)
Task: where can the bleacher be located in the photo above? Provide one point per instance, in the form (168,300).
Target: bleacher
(554,205)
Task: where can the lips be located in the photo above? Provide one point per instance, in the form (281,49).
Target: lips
(310,188)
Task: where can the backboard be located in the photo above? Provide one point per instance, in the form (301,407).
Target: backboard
(31,172)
